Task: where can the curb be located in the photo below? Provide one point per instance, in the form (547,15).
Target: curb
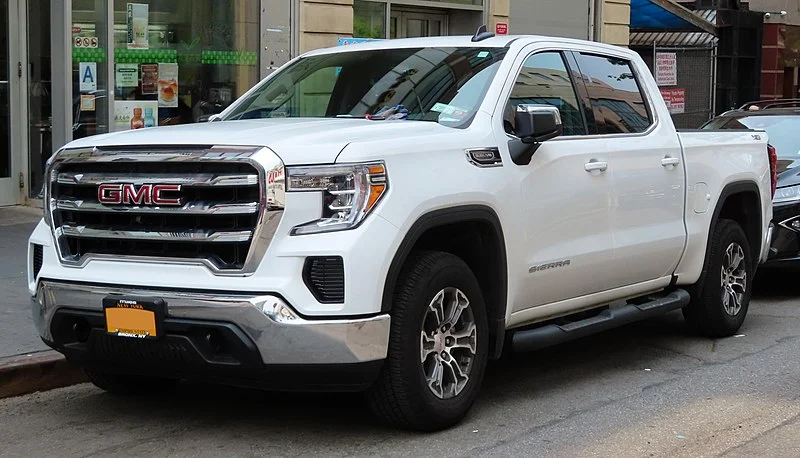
(38,371)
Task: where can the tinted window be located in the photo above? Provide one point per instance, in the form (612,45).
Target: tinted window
(615,95)
(544,80)
(445,85)
(781,130)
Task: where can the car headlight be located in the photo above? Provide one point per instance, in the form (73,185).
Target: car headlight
(787,194)
(350,192)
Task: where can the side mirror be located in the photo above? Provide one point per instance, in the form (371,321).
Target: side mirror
(534,125)
(537,123)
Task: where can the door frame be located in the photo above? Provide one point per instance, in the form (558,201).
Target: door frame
(10,191)
(401,14)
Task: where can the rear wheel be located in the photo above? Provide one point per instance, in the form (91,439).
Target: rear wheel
(438,345)
(721,298)
(130,385)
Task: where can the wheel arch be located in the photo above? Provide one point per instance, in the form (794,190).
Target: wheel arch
(480,221)
(741,201)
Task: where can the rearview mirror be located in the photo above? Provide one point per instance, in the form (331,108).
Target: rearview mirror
(537,123)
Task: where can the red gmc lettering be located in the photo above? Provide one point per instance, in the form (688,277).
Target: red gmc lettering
(129,194)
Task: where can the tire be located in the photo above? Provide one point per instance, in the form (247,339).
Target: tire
(713,310)
(402,395)
(130,385)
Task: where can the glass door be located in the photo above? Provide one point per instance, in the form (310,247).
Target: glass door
(412,24)
(10,113)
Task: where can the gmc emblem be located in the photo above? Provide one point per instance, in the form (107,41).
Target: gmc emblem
(130,194)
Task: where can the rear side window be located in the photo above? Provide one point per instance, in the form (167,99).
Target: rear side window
(615,95)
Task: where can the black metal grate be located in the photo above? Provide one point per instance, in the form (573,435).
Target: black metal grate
(38,259)
(324,277)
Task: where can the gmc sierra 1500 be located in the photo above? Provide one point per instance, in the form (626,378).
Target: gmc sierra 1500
(386,216)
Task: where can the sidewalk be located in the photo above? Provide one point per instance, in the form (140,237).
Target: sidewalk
(17,334)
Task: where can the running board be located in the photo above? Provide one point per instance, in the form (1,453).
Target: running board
(553,334)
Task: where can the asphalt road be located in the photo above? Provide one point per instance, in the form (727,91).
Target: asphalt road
(644,390)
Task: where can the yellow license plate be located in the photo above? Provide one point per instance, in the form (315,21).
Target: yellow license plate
(130,318)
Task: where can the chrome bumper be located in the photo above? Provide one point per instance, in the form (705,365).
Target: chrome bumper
(765,246)
(281,336)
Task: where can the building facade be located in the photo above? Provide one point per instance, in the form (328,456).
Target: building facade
(74,68)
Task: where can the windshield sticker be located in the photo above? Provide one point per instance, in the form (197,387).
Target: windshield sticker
(483,54)
(449,110)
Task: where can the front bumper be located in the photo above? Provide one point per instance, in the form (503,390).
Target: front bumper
(785,244)
(260,334)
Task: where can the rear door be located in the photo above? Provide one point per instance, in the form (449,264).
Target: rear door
(645,166)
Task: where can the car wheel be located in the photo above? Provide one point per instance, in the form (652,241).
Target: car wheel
(438,345)
(721,298)
(130,385)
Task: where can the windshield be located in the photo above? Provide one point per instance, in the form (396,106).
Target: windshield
(783,132)
(444,85)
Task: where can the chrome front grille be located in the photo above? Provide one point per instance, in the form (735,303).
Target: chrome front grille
(217,214)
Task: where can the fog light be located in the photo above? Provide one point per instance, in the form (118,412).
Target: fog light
(278,311)
(796,224)
(792,224)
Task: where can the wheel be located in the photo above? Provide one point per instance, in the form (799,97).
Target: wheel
(438,345)
(722,295)
(130,384)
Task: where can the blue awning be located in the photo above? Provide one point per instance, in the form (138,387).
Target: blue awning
(664,16)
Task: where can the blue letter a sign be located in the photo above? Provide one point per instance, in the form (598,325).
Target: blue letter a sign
(88,75)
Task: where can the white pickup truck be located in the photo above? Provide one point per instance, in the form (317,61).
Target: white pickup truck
(389,216)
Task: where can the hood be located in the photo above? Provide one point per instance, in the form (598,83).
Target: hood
(789,176)
(296,140)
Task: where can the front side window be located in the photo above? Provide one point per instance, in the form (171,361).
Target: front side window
(444,85)
(544,80)
(615,95)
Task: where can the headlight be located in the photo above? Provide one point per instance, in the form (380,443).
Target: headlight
(350,192)
(787,194)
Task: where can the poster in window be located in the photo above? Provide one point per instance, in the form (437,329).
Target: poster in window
(134,114)
(168,85)
(137,14)
(127,75)
(149,79)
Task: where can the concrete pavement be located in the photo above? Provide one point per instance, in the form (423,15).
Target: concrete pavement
(648,389)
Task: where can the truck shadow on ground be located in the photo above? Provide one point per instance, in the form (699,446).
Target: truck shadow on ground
(567,371)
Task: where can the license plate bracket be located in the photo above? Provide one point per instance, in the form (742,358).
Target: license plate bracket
(134,317)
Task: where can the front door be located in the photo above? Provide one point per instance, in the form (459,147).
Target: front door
(412,24)
(10,113)
(564,194)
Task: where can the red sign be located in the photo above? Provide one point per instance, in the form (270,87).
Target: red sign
(501,28)
(76,30)
(675,99)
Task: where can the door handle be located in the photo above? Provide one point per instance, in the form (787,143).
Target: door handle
(670,161)
(595,165)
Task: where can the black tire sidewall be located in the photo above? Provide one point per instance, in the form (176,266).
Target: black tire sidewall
(712,318)
(449,271)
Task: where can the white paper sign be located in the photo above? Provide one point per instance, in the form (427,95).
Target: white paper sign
(127,75)
(666,69)
(87,73)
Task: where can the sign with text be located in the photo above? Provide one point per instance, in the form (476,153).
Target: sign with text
(675,99)
(127,75)
(87,72)
(666,69)
(501,28)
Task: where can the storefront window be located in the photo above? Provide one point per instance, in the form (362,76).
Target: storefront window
(180,61)
(369,19)
(90,51)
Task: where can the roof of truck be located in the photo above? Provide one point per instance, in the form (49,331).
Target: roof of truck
(458,42)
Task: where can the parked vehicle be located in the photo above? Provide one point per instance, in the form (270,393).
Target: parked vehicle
(780,119)
(443,197)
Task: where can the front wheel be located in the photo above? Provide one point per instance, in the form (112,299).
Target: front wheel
(438,345)
(721,298)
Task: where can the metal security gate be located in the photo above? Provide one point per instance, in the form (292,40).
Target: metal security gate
(687,81)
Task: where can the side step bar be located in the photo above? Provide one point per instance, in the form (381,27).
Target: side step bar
(553,334)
